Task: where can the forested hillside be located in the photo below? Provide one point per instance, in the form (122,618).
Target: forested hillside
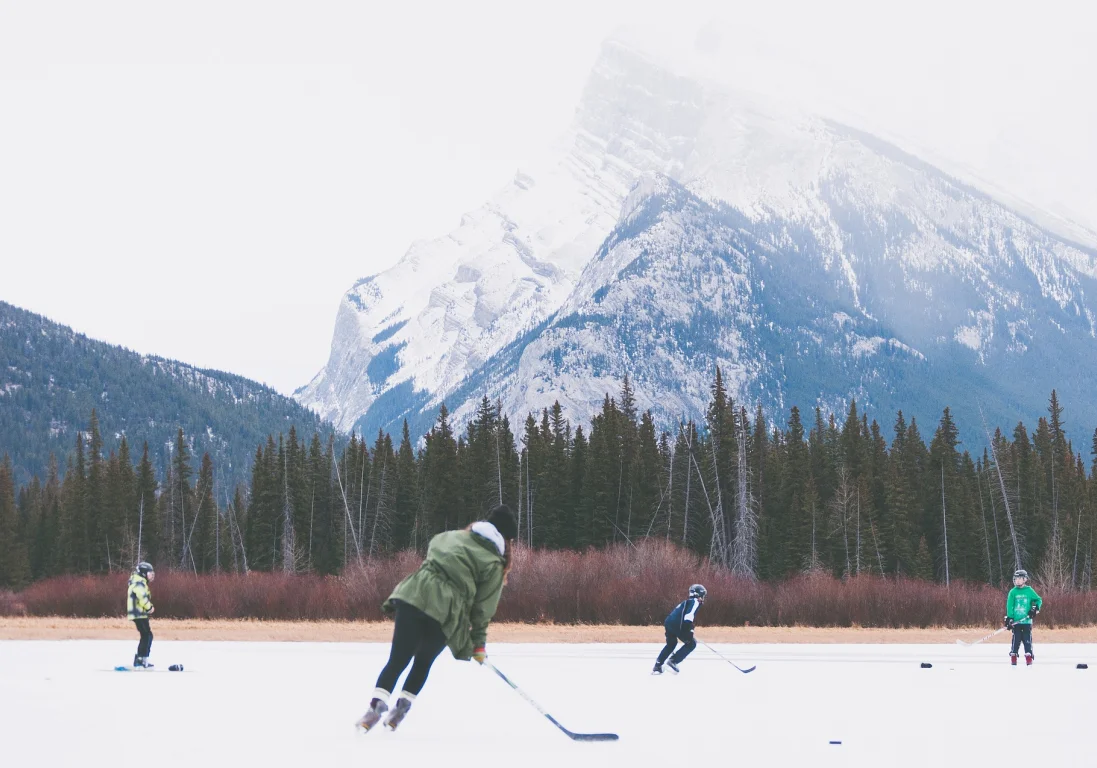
(52,377)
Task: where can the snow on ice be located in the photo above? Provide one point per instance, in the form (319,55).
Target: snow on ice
(295,704)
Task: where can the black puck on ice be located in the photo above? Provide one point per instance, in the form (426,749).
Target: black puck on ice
(175,668)
(1083,666)
(835,742)
(926,665)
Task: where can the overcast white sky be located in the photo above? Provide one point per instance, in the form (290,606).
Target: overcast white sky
(203,180)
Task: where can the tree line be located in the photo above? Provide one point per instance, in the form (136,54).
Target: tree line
(840,495)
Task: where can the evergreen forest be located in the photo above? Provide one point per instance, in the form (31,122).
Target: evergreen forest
(765,499)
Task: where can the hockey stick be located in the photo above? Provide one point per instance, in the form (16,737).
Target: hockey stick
(729,661)
(998,631)
(551,719)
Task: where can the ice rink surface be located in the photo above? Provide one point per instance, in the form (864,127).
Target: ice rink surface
(295,704)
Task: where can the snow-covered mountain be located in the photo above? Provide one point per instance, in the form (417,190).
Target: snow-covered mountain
(681,226)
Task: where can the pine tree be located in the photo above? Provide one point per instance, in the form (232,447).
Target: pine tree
(202,539)
(123,510)
(75,536)
(797,552)
(406,497)
(441,493)
(577,489)
(943,506)
(923,561)
(647,489)
(180,504)
(146,528)
(327,516)
(259,529)
(898,525)
(14,564)
(95,498)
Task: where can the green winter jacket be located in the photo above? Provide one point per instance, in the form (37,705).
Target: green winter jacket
(1018,602)
(458,585)
(138,599)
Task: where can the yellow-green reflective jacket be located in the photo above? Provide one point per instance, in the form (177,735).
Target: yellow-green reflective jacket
(138,599)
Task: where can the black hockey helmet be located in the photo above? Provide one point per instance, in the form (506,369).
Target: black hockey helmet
(698,591)
(1020,573)
(144,568)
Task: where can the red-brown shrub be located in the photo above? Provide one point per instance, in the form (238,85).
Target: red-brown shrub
(636,585)
(10,605)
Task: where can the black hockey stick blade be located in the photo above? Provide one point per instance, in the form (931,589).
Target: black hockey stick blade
(570,734)
(745,671)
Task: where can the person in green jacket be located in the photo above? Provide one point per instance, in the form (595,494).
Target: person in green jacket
(448,601)
(1022,605)
(138,609)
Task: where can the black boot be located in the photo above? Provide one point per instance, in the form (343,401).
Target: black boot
(658,670)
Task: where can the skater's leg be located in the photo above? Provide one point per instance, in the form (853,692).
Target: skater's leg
(146,638)
(1016,639)
(1026,638)
(687,648)
(144,645)
(405,639)
(668,649)
(431,643)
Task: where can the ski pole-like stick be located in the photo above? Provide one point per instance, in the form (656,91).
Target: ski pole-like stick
(984,638)
(570,734)
(729,661)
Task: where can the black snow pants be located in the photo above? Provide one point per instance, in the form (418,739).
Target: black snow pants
(144,646)
(1022,633)
(416,636)
(672,642)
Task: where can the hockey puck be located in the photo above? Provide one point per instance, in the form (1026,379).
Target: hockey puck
(835,742)
(175,668)
(1083,666)
(926,665)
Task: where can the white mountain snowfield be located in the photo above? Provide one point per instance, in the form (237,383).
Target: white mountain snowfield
(922,266)
(295,704)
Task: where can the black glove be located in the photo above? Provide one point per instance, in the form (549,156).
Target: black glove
(1007,622)
(1033,611)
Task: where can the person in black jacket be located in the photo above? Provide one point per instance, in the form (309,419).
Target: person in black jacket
(679,627)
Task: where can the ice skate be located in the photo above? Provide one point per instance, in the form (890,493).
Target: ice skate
(377,708)
(1013,659)
(142,662)
(396,716)
(673,666)
(658,669)
(1028,659)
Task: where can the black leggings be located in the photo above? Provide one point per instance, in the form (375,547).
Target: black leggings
(416,636)
(1022,633)
(145,645)
(672,642)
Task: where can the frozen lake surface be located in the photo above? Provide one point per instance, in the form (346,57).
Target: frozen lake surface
(295,704)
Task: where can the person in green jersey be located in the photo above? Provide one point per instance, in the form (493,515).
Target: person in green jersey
(1022,605)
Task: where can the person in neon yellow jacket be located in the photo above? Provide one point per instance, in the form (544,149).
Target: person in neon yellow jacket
(138,609)
(1022,604)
